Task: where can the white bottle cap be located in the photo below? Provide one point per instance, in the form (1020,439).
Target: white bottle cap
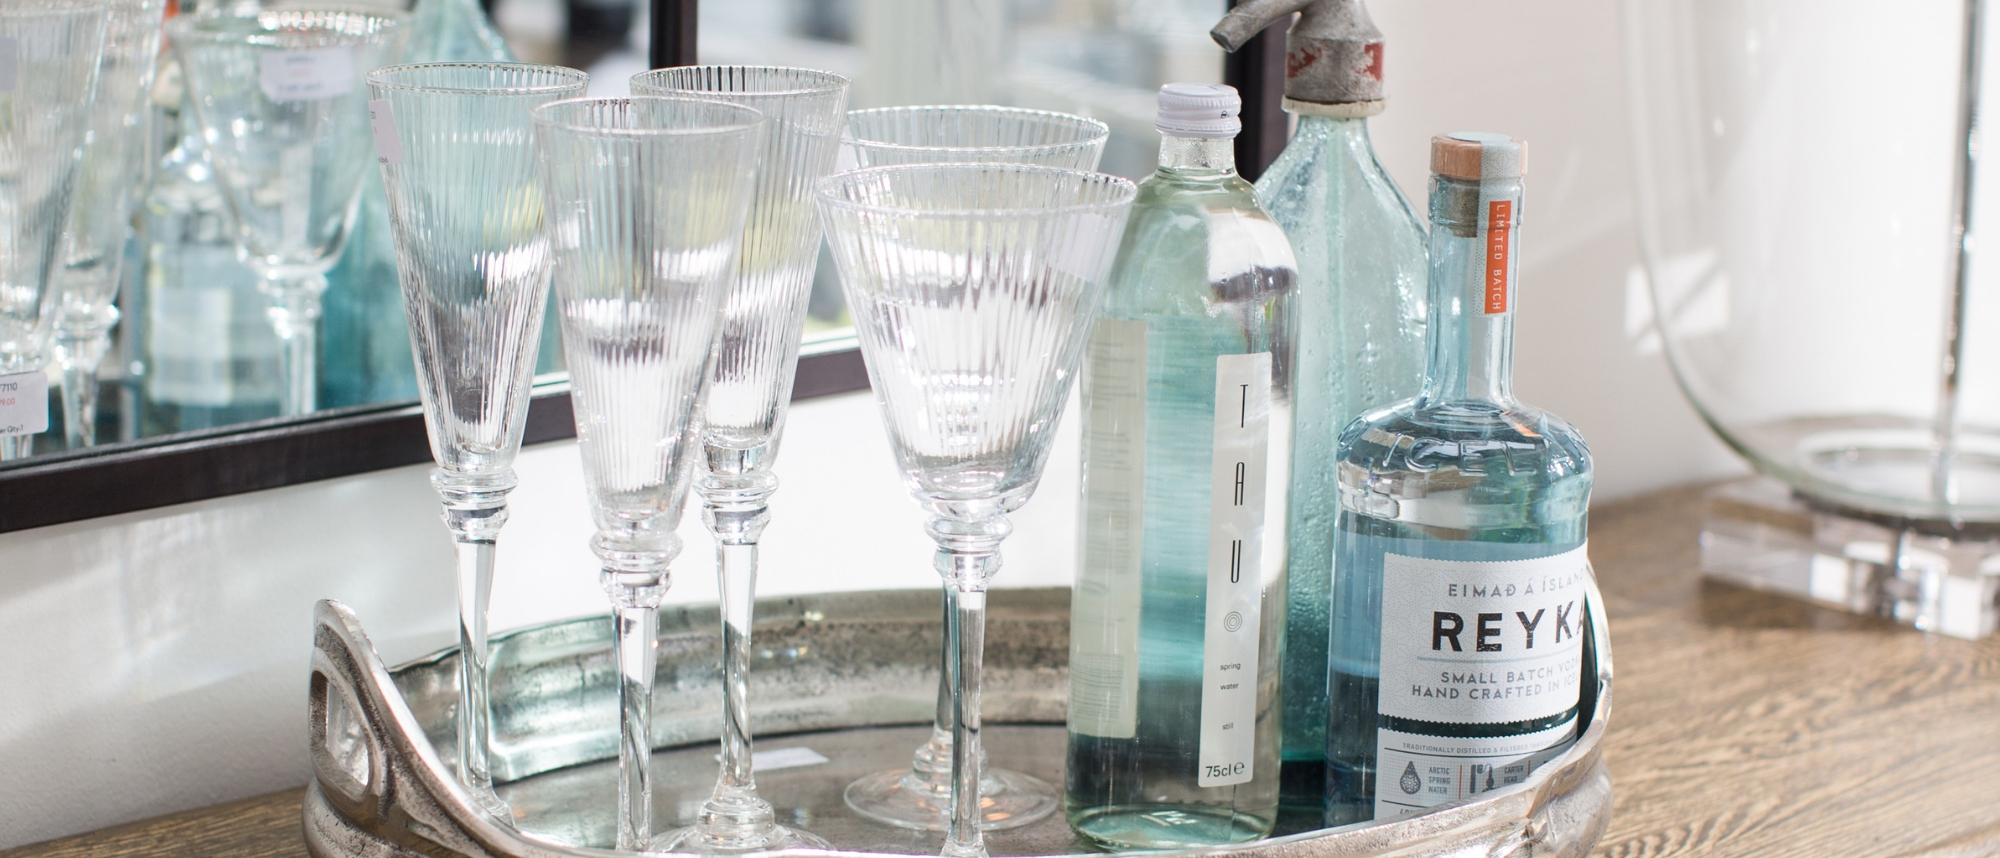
(1199,110)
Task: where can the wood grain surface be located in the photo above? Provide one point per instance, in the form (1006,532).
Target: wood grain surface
(1744,725)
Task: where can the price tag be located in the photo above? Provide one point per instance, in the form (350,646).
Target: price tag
(24,404)
(382,121)
(307,75)
(10,63)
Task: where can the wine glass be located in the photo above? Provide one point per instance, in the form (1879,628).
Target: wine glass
(749,386)
(972,288)
(46,111)
(100,221)
(967,133)
(919,796)
(279,98)
(456,147)
(647,199)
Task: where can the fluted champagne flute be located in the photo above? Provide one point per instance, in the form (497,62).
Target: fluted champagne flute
(456,146)
(919,795)
(279,98)
(972,288)
(50,71)
(749,386)
(647,198)
(100,222)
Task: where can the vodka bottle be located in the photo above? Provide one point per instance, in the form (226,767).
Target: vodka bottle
(1178,610)
(1360,310)
(1458,610)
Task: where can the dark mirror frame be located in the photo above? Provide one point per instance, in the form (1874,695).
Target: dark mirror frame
(191,466)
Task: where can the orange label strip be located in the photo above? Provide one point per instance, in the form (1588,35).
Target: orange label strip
(1499,225)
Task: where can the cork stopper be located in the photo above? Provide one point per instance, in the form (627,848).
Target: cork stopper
(1476,155)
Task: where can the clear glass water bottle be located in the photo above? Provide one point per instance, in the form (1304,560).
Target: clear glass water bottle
(1177,618)
(1360,310)
(1458,609)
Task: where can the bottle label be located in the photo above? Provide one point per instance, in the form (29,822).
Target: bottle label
(1499,228)
(1414,773)
(1235,569)
(1475,642)
(24,403)
(1104,651)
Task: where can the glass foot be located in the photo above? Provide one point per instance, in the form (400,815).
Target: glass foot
(1007,799)
(692,841)
(487,800)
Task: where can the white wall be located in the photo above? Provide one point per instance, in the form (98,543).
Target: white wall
(156,661)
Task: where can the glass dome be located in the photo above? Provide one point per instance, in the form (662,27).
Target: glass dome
(1798,164)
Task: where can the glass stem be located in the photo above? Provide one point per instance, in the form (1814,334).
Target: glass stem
(475,508)
(294,315)
(635,577)
(80,353)
(1965,168)
(968,555)
(736,510)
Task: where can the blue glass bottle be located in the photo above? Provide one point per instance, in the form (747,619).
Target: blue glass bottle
(1458,611)
(1360,310)
(1175,625)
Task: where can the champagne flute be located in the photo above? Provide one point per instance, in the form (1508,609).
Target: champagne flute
(972,288)
(457,152)
(647,199)
(919,795)
(749,386)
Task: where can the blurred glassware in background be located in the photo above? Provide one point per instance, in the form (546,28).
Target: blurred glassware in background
(456,150)
(647,199)
(1798,288)
(280,101)
(919,796)
(109,184)
(46,107)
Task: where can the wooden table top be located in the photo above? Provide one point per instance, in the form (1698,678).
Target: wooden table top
(1744,725)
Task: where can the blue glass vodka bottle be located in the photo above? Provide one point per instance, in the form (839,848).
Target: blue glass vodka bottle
(1360,310)
(1458,611)
(1178,611)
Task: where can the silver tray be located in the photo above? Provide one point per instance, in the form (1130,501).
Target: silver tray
(851,676)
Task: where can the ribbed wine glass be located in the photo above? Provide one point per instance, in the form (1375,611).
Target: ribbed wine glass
(456,145)
(749,386)
(114,170)
(972,288)
(919,796)
(647,199)
(280,101)
(968,133)
(44,113)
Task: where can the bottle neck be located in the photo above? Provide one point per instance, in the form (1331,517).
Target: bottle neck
(1474,227)
(1198,154)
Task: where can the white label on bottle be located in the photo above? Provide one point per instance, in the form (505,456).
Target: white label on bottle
(1415,773)
(1482,641)
(382,121)
(1236,503)
(10,63)
(24,403)
(307,74)
(1104,651)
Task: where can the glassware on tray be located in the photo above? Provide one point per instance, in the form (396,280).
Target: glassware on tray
(749,386)
(647,200)
(456,147)
(280,100)
(108,188)
(46,106)
(972,288)
(919,796)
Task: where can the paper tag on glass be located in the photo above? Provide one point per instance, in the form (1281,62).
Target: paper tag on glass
(10,63)
(382,121)
(306,75)
(24,403)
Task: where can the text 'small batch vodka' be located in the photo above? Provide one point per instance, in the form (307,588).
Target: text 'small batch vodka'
(1180,595)
(1460,574)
